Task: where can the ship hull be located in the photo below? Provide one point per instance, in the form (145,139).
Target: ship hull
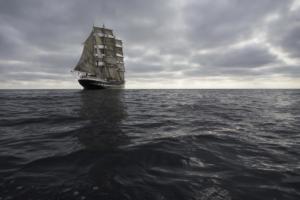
(97,84)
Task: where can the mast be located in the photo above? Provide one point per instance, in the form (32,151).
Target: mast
(102,55)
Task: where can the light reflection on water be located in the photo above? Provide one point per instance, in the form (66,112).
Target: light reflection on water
(150,144)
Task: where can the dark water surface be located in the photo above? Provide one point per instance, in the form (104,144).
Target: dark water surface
(150,144)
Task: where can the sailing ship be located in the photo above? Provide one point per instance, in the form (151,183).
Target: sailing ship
(101,64)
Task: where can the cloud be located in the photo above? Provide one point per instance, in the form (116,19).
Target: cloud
(222,22)
(285,33)
(251,56)
(163,40)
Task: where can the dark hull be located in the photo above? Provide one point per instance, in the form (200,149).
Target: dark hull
(96,85)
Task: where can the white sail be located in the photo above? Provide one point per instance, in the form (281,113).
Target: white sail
(86,61)
(102,56)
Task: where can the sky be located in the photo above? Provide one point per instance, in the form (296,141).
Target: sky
(167,43)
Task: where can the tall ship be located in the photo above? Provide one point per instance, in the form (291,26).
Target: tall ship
(101,65)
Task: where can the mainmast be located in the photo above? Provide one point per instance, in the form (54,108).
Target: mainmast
(102,56)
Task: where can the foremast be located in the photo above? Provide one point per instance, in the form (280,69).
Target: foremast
(102,56)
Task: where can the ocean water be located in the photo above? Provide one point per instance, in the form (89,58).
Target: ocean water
(150,144)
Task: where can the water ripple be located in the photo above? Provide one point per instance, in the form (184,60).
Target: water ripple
(150,144)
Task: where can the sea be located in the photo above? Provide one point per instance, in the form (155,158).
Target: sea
(150,144)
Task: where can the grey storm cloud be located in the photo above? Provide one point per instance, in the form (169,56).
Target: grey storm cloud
(42,39)
(285,33)
(245,57)
(222,22)
(144,68)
